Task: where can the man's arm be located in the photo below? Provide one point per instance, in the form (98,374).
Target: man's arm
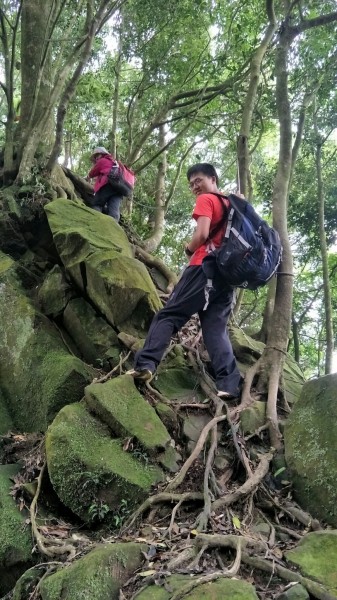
(199,236)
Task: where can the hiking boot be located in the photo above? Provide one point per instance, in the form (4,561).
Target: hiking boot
(141,375)
(226,395)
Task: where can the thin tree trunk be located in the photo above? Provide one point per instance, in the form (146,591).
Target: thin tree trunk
(115,100)
(154,240)
(8,42)
(268,312)
(255,70)
(324,253)
(277,341)
(296,340)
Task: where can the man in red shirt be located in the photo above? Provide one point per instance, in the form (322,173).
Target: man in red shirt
(188,296)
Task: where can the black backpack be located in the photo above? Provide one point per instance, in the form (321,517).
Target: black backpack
(251,250)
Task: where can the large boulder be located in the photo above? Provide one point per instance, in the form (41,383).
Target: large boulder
(90,471)
(316,557)
(96,253)
(310,448)
(15,538)
(55,292)
(119,404)
(175,380)
(99,575)
(95,339)
(38,374)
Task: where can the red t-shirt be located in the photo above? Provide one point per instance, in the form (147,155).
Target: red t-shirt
(209,205)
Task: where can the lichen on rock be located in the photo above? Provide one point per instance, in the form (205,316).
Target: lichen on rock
(310,448)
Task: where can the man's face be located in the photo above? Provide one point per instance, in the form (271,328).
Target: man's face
(200,183)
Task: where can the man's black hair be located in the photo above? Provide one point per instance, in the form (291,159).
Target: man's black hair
(205,169)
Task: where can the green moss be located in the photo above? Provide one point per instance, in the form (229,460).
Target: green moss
(6,423)
(253,417)
(177,383)
(96,252)
(15,537)
(316,555)
(247,350)
(119,404)
(310,448)
(97,576)
(87,467)
(25,586)
(221,589)
(6,263)
(54,293)
(93,336)
(38,375)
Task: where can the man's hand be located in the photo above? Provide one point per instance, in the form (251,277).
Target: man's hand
(188,252)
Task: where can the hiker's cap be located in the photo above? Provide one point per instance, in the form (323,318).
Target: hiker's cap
(100,150)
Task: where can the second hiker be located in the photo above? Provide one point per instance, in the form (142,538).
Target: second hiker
(104,192)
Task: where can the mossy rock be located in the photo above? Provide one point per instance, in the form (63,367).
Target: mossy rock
(88,469)
(193,424)
(27,583)
(292,380)
(6,423)
(316,556)
(221,589)
(296,592)
(55,292)
(119,404)
(310,448)
(97,576)
(95,339)
(38,375)
(248,350)
(15,538)
(96,252)
(11,238)
(253,417)
(175,380)
(167,415)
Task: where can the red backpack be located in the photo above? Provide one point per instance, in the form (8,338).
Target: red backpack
(121,178)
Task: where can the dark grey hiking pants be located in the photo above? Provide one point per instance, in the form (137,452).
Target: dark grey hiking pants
(188,298)
(106,196)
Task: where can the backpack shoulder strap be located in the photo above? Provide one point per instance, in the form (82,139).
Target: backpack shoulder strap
(223,220)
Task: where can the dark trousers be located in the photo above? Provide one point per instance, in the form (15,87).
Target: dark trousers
(106,196)
(187,299)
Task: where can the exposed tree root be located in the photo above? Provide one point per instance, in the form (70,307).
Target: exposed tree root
(162,497)
(314,588)
(154,261)
(230,541)
(118,367)
(202,520)
(42,542)
(249,485)
(187,588)
(179,478)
